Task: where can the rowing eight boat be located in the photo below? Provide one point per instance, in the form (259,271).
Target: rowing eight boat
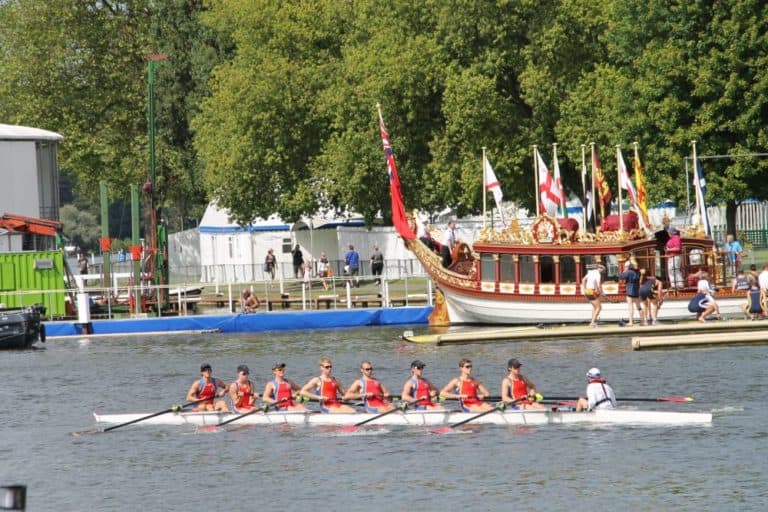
(415,418)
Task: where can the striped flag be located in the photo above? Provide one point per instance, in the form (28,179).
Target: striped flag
(642,198)
(626,184)
(601,185)
(399,219)
(701,192)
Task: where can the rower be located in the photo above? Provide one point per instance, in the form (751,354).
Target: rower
(469,391)
(374,394)
(326,388)
(419,391)
(515,387)
(599,394)
(241,392)
(281,391)
(207,388)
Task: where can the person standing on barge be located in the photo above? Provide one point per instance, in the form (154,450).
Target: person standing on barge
(593,290)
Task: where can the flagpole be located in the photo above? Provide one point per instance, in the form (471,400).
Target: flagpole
(594,199)
(696,188)
(584,187)
(618,172)
(485,181)
(554,177)
(536,176)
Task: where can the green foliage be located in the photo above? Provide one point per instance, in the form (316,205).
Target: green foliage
(270,106)
(81,227)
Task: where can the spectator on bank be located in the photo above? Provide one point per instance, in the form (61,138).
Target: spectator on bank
(82,265)
(753,308)
(269,264)
(298,262)
(741,282)
(324,269)
(249,303)
(631,277)
(733,252)
(377,264)
(352,261)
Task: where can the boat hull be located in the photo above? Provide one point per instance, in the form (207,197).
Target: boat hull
(21,328)
(425,418)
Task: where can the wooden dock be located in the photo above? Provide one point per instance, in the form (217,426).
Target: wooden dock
(731,329)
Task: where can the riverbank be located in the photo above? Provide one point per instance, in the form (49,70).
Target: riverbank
(243,323)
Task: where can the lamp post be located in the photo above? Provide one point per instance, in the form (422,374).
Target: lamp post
(158,256)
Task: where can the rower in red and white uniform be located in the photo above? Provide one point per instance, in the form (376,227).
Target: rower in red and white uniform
(241,392)
(207,388)
(281,391)
(326,388)
(517,388)
(599,394)
(371,391)
(469,391)
(419,391)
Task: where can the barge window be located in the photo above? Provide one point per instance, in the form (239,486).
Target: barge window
(487,268)
(526,269)
(567,269)
(507,269)
(547,269)
(611,267)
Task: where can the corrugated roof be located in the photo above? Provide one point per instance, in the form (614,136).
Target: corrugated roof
(15,132)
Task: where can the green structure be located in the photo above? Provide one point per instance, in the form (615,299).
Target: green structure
(28,278)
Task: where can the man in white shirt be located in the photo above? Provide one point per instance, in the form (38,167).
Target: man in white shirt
(449,242)
(762,279)
(599,394)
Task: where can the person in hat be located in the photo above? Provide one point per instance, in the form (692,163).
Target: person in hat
(599,394)
(207,388)
(517,389)
(592,286)
(281,391)
(469,391)
(418,391)
(326,389)
(242,394)
(372,392)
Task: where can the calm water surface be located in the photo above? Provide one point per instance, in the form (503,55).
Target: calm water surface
(52,392)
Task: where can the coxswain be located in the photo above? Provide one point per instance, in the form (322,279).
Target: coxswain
(207,388)
(374,394)
(599,394)
(326,388)
(469,391)
(241,392)
(281,391)
(419,391)
(517,389)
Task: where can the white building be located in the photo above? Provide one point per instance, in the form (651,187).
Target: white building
(30,178)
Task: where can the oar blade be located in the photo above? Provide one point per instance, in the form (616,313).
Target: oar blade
(349,428)
(86,432)
(443,430)
(675,399)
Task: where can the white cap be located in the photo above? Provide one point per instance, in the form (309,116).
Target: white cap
(593,373)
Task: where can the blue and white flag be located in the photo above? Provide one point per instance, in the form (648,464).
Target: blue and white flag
(701,193)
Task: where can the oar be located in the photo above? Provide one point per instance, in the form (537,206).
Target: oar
(658,399)
(264,408)
(538,397)
(352,428)
(175,408)
(442,430)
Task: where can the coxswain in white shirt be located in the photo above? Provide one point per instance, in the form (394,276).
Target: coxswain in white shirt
(599,394)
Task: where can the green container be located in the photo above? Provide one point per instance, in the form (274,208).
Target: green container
(28,278)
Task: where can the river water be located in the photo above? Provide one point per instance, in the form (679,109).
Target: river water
(52,392)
